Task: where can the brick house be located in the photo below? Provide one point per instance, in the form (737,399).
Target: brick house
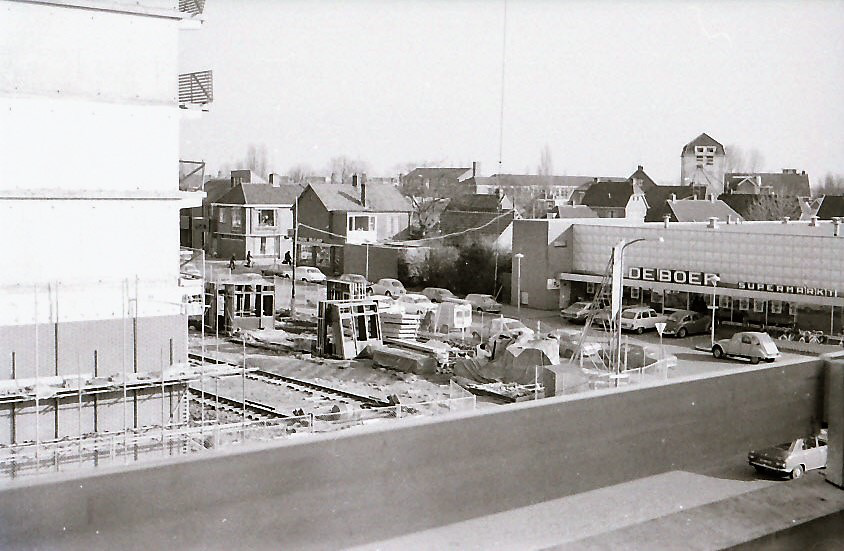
(256,218)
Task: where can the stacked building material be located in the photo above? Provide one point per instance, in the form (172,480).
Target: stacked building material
(399,325)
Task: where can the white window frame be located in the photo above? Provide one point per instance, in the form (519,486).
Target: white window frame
(776,307)
(262,224)
(744,304)
(371,222)
(237,217)
(758,305)
(635,292)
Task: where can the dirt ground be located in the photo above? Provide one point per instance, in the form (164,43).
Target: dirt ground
(357,376)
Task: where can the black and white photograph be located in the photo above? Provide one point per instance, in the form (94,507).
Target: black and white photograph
(422,275)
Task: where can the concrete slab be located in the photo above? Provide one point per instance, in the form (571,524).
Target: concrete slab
(674,510)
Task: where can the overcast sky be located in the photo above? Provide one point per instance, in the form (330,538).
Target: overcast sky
(606,85)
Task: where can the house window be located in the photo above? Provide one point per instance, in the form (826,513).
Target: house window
(776,307)
(590,288)
(221,215)
(634,292)
(725,301)
(758,305)
(705,154)
(237,217)
(744,303)
(266,217)
(263,245)
(361,223)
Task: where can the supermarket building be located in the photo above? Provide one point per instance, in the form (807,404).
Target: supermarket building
(771,274)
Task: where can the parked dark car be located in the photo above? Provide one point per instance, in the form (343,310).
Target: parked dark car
(685,322)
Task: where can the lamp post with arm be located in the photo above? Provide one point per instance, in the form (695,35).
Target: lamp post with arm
(618,283)
(519,257)
(715,280)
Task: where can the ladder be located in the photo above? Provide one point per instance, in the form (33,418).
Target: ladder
(599,300)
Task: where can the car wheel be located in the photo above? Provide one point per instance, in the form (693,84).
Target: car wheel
(388,293)
(754,360)
(797,472)
(640,330)
(718,352)
(682,333)
(304,280)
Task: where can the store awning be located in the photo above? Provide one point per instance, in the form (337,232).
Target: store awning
(721,291)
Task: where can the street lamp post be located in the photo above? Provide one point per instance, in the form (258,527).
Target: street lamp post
(620,284)
(715,280)
(519,257)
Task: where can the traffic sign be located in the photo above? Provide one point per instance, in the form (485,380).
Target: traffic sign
(660,327)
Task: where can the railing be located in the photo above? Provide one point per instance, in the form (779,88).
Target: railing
(151,443)
(193,7)
(191,175)
(196,88)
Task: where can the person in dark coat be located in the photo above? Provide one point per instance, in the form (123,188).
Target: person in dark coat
(287,258)
(248,259)
(231,263)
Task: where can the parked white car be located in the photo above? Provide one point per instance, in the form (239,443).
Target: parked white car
(792,458)
(640,318)
(309,274)
(483,303)
(752,345)
(388,286)
(414,303)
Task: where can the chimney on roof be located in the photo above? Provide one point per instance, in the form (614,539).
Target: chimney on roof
(711,197)
(639,168)
(713,222)
(275,179)
(355,180)
(786,219)
(476,169)
(673,197)
(789,171)
(665,220)
(813,221)
(363,190)
(836,227)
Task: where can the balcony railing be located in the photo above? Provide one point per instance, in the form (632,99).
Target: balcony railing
(191,175)
(196,89)
(193,7)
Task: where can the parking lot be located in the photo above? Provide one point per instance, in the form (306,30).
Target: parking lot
(690,361)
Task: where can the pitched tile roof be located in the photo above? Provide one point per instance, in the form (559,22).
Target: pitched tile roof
(657,197)
(530,180)
(575,211)
(784,183)
(706,140)
(477,202)
(261,194)
(646,181)
(216,188)
(744,204)
(701,210)
(436,174)
(608,194)
(831,207)
(346,198)
(490,223)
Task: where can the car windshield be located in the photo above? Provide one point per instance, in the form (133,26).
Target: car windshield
(578,306)
(628,315)
(510,325)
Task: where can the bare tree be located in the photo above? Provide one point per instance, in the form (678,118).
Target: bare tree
(341,169)
(256,159)
(741,160)
(831,184)
(298,173)
(546,165)
(773,207)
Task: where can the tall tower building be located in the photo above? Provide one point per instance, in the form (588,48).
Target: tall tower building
(703,163)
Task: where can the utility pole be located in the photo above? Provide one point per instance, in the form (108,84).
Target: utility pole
(294,255)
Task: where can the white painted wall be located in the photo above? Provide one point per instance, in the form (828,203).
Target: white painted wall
(775,257)
(58,51)
(88,145)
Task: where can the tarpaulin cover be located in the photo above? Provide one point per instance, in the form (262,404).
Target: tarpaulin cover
(515,365)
